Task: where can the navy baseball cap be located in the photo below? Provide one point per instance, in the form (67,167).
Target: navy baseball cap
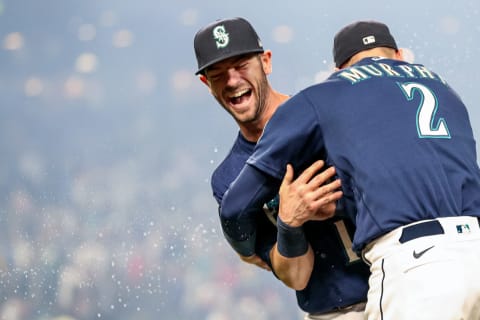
(223,39)
(359,36)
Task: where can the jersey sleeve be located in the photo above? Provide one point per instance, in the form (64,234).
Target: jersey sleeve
(291,136)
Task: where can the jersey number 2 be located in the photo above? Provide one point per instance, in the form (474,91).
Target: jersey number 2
(426,111)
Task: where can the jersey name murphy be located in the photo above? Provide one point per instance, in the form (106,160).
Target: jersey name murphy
(358,74)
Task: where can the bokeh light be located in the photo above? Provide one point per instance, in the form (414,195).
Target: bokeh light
(74,87)
(13,41)
(86,63)
(86,32)
(283,34)
(33,86)
(123,38)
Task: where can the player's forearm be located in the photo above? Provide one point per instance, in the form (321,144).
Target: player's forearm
(292,257)
(293,272)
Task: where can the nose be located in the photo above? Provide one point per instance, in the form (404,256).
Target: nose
(233,76)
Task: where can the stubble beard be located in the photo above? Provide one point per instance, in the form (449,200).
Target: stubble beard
(261,103)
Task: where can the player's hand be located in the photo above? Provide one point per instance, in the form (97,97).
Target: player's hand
(309,197)
(254,259)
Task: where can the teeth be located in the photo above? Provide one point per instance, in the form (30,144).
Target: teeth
(239,93)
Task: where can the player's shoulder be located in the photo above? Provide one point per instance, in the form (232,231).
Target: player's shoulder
(236,156)
(325,87)
(311,98)
(229,168)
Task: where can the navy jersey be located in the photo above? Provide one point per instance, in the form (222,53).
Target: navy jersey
(224,174)
(339,277)
(398,135)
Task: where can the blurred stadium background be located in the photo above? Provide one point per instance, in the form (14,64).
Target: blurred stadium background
(108,141)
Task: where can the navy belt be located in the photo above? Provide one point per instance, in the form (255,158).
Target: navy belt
(423,229)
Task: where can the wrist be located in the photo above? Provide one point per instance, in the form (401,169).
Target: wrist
(289,221)
(291,240)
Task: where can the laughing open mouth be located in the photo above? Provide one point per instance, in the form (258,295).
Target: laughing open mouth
(240,96)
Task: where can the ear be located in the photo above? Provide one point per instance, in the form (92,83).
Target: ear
(204,79)
(399,54)
(266,58)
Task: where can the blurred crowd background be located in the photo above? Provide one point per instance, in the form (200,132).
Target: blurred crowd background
(108,140)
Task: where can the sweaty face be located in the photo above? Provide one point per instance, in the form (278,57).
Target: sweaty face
(239,84)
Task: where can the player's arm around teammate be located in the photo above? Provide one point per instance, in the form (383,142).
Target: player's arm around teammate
(309,197)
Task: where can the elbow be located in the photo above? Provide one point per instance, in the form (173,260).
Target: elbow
(300,283)
(297,281)
(237,226)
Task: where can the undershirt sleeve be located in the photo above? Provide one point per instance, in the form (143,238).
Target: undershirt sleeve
(242,201)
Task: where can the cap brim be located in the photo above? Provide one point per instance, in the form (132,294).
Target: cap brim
(226,56)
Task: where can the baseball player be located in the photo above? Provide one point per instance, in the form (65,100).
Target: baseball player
(402,144)
(234,66)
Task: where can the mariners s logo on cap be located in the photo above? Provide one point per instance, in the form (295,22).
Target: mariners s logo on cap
(221,36)
(223,39)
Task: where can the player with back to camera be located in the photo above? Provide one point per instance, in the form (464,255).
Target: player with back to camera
(329,279)
(402,144)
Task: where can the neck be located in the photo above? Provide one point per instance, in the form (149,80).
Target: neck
(374,52)
(252,131)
